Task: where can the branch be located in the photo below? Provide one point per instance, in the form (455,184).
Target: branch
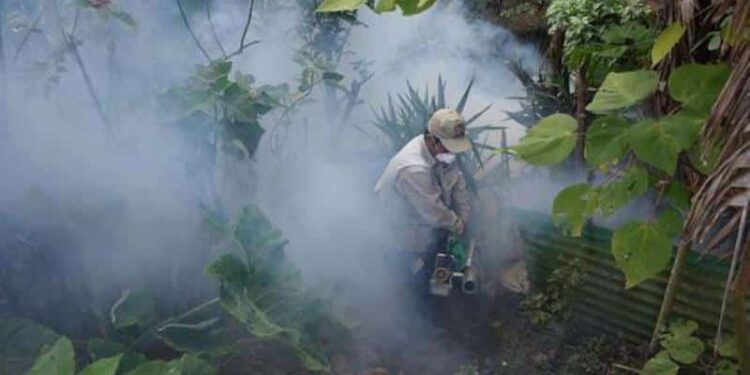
(213,29)
(247,26)
(70,43)
(190,30)
(239,51)
(27,35)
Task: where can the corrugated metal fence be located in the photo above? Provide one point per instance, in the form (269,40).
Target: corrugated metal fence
(602,301)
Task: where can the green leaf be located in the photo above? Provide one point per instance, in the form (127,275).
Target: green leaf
(385,6)
(615,195)
(682,328)
(660,141)
(714,42)
(152,368)
(671,222)
(654,145)
(685,350)
(641,251)
(339,5)
(728,347)
(705,158)
(125,18)
(626,33)
(606,140)
(58,360)
(549,142)
(191,365)
(185,365)
(334,77)
(133,309)
(661,365)
(677,195)
(666,41)
(101,349)
(412,7)
(107,366)
(697,86)
(572,207)
(726,367)
(21,341)
(623,90)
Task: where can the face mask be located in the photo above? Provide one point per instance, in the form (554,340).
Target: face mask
(446,158)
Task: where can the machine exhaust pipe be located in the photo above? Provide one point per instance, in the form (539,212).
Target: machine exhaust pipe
(470,282)
(469,285)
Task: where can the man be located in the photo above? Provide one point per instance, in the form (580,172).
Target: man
(423,190)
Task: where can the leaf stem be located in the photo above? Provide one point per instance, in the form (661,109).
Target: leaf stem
(27,35)
(192,34)
(213,29)
(247,27)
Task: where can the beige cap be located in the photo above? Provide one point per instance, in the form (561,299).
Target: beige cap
(450,127)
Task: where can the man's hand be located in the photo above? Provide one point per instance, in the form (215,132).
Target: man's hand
(461,228)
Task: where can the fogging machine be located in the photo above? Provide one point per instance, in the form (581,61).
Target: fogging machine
(454,268)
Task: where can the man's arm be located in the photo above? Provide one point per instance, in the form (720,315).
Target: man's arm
(416,185)
(460,198)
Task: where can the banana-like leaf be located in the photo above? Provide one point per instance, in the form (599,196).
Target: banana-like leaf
(264,291)
(21,341)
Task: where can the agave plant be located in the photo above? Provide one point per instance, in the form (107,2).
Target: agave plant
(400,122)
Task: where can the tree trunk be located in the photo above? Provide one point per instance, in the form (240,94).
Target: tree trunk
(582,89)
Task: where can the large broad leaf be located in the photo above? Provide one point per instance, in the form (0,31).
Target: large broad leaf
(660,141)
(191,365)
(203,337)
(684,349)
(548,142)
(152,368)
(728,347)
(726,367)
(185,365)
(623,90)
(340,5)
(385,6)
(411,7)
(671,222)
(606,140)
(254,230)
(653,144)
(21,341)
(641,251)
(682,328)
(133,309)
(661,365)
(58,360)
(666,41)
(247,133)
(572,207)
(677,195)
(697,86)
(232,273)
(107,366)
(680,343)
(101,349)
(632,183)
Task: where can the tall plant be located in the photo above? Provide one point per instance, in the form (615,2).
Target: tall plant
(401,121)
(638,153)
